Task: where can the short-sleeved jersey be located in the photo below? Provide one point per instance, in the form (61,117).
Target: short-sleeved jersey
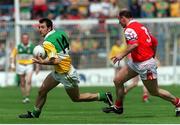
(56,44)
(136,32)
(116,50)
(23,54)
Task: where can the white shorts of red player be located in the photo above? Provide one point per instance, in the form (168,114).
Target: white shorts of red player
(146,69)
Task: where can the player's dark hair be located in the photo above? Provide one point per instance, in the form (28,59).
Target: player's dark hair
(26,34)
(126,13)
(48,22)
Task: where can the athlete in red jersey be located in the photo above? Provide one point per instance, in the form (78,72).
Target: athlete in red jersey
(136,33)
(142,46)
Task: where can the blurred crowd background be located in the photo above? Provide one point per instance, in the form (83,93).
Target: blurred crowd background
(90,43)
(82,9)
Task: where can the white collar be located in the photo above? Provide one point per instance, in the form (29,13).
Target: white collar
(26,45)
(48,34)
(131,21)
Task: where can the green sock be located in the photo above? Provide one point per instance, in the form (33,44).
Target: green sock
(101,96)
(36,112)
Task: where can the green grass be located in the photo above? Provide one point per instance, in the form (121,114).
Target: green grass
(59,109)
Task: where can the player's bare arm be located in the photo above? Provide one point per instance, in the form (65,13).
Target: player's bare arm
(120,56)
(50,61)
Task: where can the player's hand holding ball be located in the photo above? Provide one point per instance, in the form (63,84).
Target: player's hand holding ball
(39,54)
(39,51)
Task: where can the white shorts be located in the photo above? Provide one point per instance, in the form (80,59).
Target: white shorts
(147,69)
(24,69)
(69,80)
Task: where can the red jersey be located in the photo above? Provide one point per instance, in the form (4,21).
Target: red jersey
(136,32)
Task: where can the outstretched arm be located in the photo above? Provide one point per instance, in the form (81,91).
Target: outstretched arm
(49,61)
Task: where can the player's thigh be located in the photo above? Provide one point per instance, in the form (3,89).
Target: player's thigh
(151,86)
(48,83)
(29,70)
(29,77)
(124,74)
(29,73)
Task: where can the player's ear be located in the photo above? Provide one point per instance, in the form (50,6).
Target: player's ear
(49,29)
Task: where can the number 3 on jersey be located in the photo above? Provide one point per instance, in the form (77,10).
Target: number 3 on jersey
(64,45)
(147,33)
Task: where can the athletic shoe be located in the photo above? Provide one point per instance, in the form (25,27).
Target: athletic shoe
(109,99)
(28,115)
(177,110)
(113,109)
(146,100)
(177,104)
(26,100)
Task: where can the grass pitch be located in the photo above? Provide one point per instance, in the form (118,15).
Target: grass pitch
(59,109)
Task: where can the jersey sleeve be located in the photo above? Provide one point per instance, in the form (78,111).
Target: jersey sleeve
(131,36)
(50,49)
(14,53)
(111,53)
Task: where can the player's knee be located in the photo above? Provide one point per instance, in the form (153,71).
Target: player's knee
(135,84)
(22,85)
(117,82)
(29,83)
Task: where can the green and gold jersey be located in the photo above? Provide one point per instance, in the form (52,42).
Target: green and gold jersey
(23,54)
(56,44)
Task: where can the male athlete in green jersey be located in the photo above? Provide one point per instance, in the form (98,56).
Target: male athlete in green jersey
(21,60)
(56,45)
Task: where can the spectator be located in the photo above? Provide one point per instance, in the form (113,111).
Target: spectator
(40,9)
(161,8)
(175,8)
(4,30)
(135,8)
(74,13)
(76,49)
(114,10)
(148,9)
(94,53)
(106,7)
(83,8)
(2,56)
(51,16)
(95,9)
(25,9)
(53,6)
(85,53)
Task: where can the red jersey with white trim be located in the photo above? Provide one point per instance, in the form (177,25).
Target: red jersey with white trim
(136,32)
